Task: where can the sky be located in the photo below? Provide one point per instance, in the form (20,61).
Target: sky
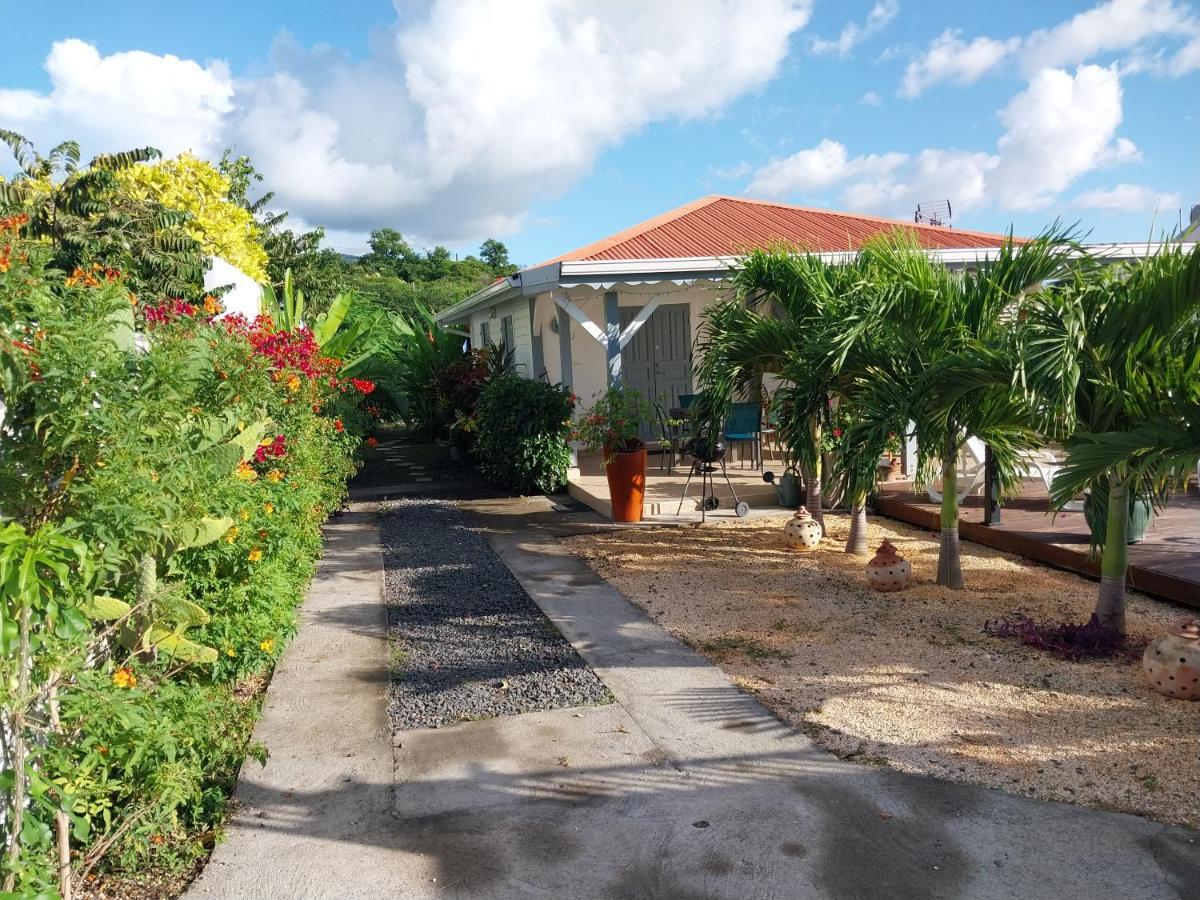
(553,123)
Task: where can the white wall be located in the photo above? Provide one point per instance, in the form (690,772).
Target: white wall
(589,364)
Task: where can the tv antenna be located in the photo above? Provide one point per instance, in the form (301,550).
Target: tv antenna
(937,212)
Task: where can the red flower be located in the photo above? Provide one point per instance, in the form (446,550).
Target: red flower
(837,432)
(363,385)
(372,441)
(338,426)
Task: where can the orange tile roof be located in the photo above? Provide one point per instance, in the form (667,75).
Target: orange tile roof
(729,226)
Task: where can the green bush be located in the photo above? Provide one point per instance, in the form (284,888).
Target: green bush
(522,434)
(165,476)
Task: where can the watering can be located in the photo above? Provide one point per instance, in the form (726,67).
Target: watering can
(788,489)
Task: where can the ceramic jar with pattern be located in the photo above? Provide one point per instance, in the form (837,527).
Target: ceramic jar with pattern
(1172,661)
(802,531)
(888,571)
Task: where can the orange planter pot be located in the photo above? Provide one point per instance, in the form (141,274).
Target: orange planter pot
(626,484)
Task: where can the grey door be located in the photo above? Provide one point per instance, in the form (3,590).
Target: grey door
(658,361)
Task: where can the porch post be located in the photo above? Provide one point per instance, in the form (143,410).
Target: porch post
(612,334)
(536,342)
(564,346)
(568,376)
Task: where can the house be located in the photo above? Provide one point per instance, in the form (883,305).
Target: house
(628,307)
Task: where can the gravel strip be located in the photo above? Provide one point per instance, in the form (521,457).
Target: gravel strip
(467,641)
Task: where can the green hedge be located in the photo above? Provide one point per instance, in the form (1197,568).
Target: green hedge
(165,476)
(522,434)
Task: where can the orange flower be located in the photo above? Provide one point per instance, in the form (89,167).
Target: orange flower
(231,535)
(275,476)
(372,441)
(254,555)
(245,472)
(293,383)
(269,508)
(124,677)
(212,306)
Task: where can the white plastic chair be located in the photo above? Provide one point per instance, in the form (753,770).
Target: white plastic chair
(970,470)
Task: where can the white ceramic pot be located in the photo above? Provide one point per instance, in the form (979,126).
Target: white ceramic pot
(1172,661)
(802,531)
(888,571)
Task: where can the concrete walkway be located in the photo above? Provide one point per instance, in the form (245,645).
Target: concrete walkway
(685,788)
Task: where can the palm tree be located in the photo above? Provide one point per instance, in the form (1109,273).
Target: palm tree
(1119,354)
(777,322)
(782,319)
(945,359)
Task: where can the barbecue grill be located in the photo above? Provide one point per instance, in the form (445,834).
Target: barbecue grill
(707,455)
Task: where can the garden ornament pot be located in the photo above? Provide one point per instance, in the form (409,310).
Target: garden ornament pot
(802,531)
(626,473)
(788,489)
(888,571)
(1172,661)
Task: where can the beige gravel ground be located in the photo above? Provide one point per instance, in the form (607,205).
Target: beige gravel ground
(910,680)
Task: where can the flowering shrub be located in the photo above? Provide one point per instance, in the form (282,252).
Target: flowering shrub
(162,496)
(614,421)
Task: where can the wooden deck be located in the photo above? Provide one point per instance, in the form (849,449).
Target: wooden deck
(1165,564)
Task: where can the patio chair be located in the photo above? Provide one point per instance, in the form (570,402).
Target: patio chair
(769,429)
(669,440)
(744,426)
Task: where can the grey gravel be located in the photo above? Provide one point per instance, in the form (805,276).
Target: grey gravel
(468,642)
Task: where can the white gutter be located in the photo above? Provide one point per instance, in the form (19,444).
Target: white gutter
(604,273)
(494,293)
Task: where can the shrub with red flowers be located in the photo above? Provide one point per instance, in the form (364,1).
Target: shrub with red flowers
(209,450)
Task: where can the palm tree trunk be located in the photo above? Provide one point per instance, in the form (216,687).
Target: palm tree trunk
(857,543)
(812,479)
(1110,604)
(949,561)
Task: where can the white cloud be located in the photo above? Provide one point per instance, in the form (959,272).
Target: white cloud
(124,100)
(854,34)
(822,166)
(464,114)
(949,58)
(1059,128)
(1127,198)
(1106,27)
(1187,59)
(870,98)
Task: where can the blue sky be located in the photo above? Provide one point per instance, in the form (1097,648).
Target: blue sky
(551,123)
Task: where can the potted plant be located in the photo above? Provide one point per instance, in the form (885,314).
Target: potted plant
(612,425)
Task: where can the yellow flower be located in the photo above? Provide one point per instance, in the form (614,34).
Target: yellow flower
(231,535)
(124,677)
(269,508)
(275,475)
(265,442)
(244,515)
(293,383)
(267,645)
(254,555)
(245,472)
(229,651)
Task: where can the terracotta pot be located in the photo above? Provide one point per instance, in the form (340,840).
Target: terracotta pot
(626,473)
(1172,661)
(894,472)
(888,571)
(802,531)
